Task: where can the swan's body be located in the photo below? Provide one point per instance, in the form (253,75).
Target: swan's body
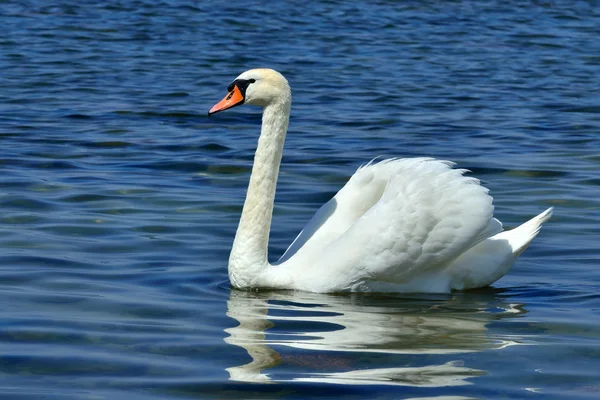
(399,225)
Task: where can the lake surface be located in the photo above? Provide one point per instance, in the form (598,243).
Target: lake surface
(120,198)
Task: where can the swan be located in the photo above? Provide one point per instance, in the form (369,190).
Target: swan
(398,225)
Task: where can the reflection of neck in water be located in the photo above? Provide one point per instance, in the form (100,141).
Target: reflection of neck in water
(251,313)
(367,324)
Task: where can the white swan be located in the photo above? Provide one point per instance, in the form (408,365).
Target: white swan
(399,225)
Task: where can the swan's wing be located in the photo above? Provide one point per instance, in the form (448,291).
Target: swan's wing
(361,192)
(428,215)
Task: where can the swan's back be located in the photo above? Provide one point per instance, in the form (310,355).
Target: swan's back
(393,222)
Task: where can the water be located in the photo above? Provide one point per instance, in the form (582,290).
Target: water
(120,198)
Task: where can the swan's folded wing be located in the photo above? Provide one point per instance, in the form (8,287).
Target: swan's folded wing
(428,215)
(363,190)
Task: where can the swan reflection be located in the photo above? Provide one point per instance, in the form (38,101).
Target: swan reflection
(338,339)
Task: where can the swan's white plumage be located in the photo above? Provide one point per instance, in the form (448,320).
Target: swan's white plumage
(413,224)
(395,219)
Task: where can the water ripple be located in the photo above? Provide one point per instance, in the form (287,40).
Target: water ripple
(120,197)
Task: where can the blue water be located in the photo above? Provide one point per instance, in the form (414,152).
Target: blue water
(119,197)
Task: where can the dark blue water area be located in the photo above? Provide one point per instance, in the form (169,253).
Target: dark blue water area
(120,198)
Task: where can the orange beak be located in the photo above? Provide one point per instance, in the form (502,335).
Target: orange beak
(233,98)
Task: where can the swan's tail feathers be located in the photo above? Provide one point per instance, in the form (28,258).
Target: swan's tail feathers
(520,237)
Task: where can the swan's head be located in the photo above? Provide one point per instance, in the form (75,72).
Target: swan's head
(259,87)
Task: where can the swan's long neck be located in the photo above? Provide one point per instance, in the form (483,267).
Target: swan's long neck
(248,257)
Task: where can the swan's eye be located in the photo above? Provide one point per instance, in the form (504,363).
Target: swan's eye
(242,84)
